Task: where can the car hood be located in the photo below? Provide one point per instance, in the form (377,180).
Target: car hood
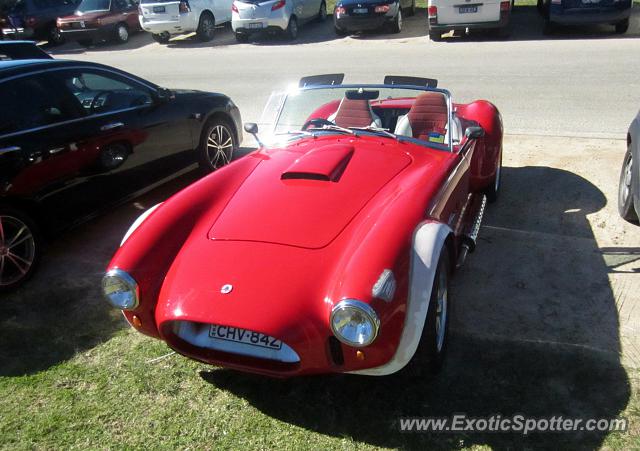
(305,195)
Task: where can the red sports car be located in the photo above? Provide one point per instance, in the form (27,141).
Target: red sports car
(330,248)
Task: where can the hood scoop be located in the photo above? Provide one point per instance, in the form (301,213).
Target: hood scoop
(326,164)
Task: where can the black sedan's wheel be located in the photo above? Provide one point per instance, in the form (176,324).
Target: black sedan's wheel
(396,26)
(292,29)
(206,27)
(217,145)
(626,189)
(122,33)
(161,38)
(20,248)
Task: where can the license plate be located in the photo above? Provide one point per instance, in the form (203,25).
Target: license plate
(244,336)
(468,9)
(360,10)
(255,25)
(158,9)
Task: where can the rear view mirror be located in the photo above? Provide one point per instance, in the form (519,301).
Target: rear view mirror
(164,94)
(251,128)
(474,132)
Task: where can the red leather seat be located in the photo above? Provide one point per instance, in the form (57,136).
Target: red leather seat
(354,113)
(429,113)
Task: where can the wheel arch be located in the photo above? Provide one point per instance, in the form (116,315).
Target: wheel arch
(30,207)
(220,114)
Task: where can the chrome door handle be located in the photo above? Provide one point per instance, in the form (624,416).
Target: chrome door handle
(9,149)
(111,126)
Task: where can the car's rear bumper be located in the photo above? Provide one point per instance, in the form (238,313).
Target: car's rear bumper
(363,23)
(588,16)
(256,25)
(501,23)
(183,25)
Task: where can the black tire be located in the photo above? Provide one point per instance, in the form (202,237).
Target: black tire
(322,14)
(213,152)
(242,37)
(493,190)
(435,36)
(412,9)
(14,270)
(622,27)
(291,33)
(430,352)
(206,27)
(161,38)
(85,42)
(396,25)
(339,31)
(626,187)
(54,37)
(121,33)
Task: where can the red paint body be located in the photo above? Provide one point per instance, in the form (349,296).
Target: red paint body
(293,248)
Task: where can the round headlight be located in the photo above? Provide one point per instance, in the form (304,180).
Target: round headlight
(354,323)
(120,290)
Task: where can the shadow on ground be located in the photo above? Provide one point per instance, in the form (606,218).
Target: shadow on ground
(534,332)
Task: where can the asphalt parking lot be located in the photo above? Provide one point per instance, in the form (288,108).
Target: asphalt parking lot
(546,315)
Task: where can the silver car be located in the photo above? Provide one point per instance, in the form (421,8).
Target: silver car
(629,188)
(251,16)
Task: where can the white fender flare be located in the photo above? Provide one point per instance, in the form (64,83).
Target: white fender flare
(137,222)
(428,241)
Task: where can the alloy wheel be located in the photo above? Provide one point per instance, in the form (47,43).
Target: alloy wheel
(625,186)
(17,250)
(219,146)
(123,33)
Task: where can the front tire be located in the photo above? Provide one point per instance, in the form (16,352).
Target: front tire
(217,144)
(396,26)
(206,27)
(626,188)
(622,27)
(20,248)
(161,38)
(291,32)
(122,33)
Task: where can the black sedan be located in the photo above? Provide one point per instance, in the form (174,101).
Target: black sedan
(363,15)
(77,138)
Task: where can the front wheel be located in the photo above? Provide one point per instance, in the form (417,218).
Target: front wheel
(292,29)
(622,27)
(122,33)
(396,26)
(20,248)
(206,28)
(161,38)
(217,145)
(626,188)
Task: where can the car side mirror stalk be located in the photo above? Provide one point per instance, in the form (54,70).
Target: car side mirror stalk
(252,129)
(164,95)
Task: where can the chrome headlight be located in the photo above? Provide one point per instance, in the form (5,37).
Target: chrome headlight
(120,289)
(354,323)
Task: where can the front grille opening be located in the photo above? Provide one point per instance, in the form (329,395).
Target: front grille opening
(335,351)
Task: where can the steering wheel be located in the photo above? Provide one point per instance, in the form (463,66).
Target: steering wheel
(94,102)
(316,122)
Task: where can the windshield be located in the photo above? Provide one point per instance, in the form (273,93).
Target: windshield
(410,114)
(94,5)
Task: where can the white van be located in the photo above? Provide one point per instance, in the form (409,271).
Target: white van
(166,18)
(447,15)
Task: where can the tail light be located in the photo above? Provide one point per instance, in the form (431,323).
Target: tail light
(382,8)
(234,8)
(433,11)
(184,7)
(279,4)
(505,6)
(340,10)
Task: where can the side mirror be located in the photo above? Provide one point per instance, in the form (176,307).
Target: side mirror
(252,128)
(164,95)
(474,132)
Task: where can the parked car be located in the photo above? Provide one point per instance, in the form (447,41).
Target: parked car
(629,186)
(585,12)
(447,15)
(36,19)
(101,20)
(351,16)
(77,138)
(285,16)
(329,249)
(166,18)
(21,50)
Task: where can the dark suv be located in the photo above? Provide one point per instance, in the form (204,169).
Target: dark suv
(36,19)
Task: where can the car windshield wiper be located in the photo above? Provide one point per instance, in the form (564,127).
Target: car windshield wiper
(382,131)
(338,129)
